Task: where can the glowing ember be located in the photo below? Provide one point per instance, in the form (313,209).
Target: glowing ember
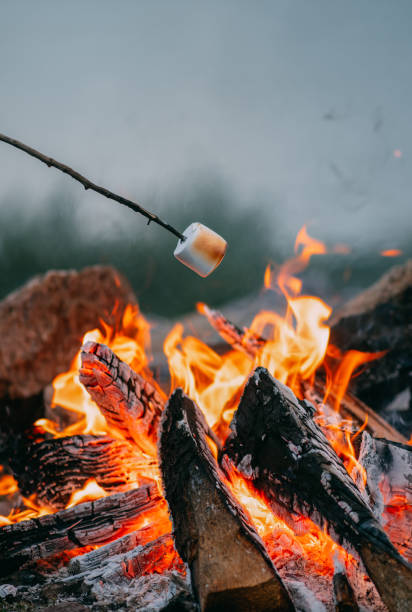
(292,346)
(391,253)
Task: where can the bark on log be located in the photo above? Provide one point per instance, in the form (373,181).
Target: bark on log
(230,569)
(89,523)
(247,342)
(380,319)
(42,324)
(129,403)
(345,600)
(53,469)
(276,444)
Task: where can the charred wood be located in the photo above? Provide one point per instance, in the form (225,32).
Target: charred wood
(129,403)
(388,467)
(228,563)
(240,339)
(246,341)
(276,443)
(345,600)
(376,320)
(53,469)
(96,558)
(89,523)
(353,408)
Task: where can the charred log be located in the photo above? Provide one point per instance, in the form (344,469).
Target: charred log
(53,469)
(276,443)
(240,339)
(229,566)
(89,523)
(376,320)
(345,600)
(129,403)
(96,558)
(246,341)
(388,468)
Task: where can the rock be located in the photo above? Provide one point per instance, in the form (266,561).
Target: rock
(42,324)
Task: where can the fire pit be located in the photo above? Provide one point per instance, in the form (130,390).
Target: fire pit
(255,482)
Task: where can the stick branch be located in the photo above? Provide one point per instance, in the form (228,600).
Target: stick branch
(50,162)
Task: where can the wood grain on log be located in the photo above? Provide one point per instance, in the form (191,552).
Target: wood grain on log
(42,324)
(229,566)
(276,443)
(53,469)
(89,523)
(129,403)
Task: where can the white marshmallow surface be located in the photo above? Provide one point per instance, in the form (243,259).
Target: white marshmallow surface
(203,249)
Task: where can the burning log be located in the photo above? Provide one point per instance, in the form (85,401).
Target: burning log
(239,339)
(379,319)
(388,467)
(42,324)
(89,523)
(345,600)
(129,403)
(229,566)
(276,443)
(53,469)
(246,341)
(96,558)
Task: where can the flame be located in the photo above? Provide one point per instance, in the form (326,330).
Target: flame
(295,346)
(391,253)
(89,492)
(308,542)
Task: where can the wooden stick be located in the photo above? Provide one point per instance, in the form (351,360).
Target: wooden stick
(50,162)
(229,566)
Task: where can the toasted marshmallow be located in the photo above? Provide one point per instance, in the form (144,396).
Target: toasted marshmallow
(203,249)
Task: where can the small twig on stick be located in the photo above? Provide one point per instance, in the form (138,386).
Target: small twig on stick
(50,162)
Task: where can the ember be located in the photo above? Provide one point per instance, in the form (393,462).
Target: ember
(293,484)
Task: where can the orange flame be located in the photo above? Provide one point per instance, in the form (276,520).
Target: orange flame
(295,347)
(391,253)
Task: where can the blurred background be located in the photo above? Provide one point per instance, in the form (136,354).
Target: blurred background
(252,117)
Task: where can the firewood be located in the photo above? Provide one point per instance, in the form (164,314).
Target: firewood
(53,469)
(238,338)
(276,443)
(379,319)
(353,408)
(229,566)
(89,523)
(96,558)
(42,324)
(388,467)
(345,600)
(249,343)
(129,403)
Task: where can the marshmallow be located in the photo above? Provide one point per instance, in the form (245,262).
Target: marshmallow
(203,249)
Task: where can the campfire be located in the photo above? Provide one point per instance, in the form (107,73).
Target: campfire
(250,480)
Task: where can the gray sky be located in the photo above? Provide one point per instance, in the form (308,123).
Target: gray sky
(301,102)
